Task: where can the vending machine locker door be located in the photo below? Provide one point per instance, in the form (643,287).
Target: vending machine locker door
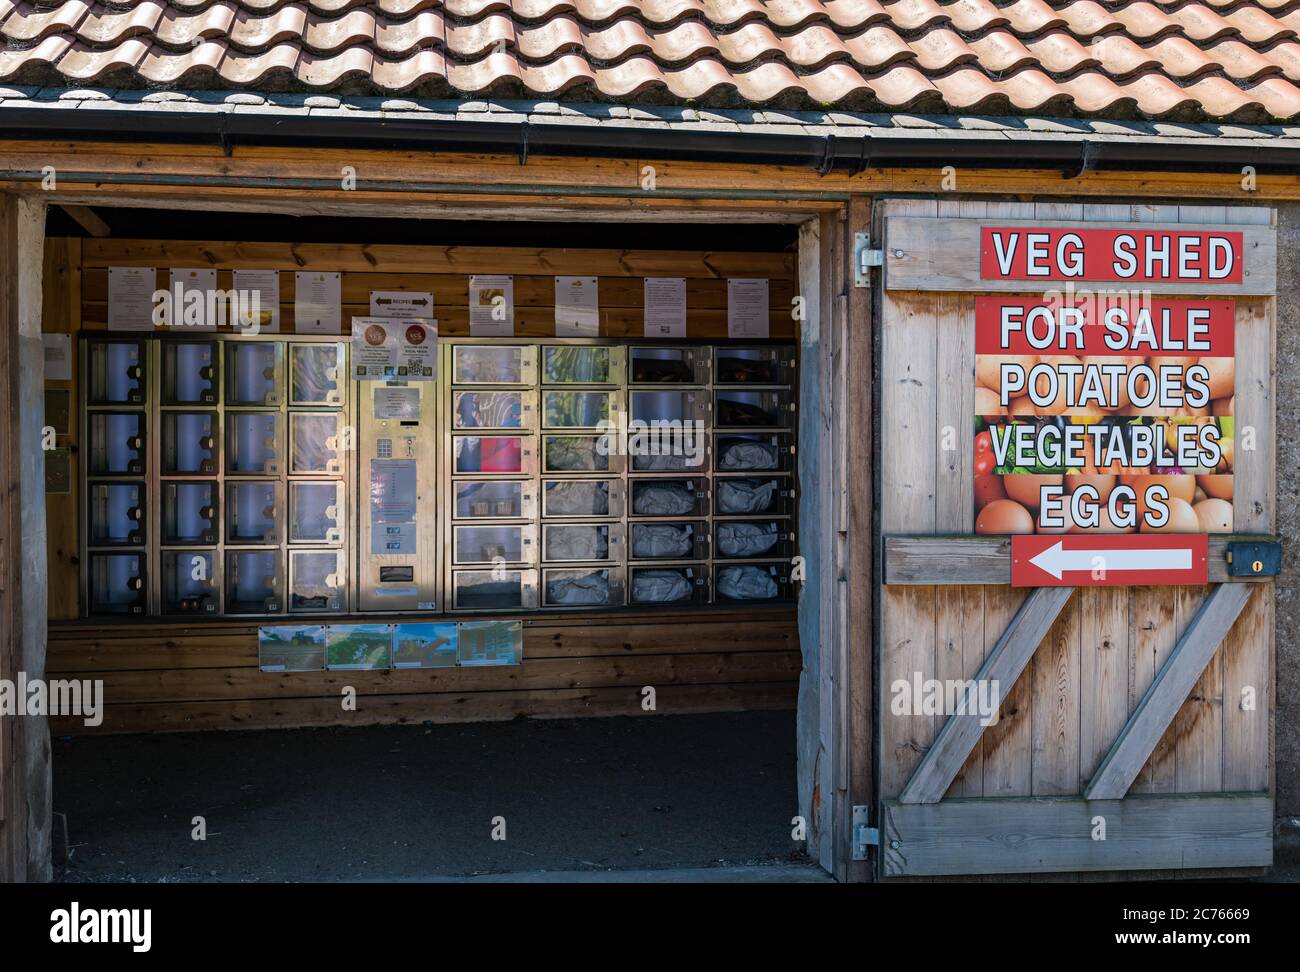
(397,452)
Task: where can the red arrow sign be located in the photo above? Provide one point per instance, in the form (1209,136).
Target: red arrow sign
(1108,559)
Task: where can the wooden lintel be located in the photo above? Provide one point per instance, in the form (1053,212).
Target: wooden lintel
(1056,834)
(1156,710)
(951,747)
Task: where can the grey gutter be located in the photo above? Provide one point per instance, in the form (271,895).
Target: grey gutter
(826,153)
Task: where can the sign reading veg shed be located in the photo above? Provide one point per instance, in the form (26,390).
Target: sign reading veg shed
(1105,411)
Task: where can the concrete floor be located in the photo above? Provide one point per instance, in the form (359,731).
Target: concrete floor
(419,802)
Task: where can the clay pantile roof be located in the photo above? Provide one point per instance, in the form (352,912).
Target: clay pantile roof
(1233,60)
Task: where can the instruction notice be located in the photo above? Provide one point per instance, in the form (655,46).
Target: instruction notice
(189,302)
(393,494)
(747,313)
(492,305)
(317,307)
(577,307)
(1107,412)
(665,307)
(259,292)
(130,298)
(384,349)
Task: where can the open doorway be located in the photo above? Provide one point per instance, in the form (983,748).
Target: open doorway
(623,585)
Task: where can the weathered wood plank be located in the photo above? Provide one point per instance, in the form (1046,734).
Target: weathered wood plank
(439,707)
(1003,666)
(1253,460)
(1247,695)
(1052,834)
(1008,743)
(987,559)
(932,254)
(1103,672)
(1162,700)
(1153,635)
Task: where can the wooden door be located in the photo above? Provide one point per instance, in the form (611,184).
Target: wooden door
(1134,730)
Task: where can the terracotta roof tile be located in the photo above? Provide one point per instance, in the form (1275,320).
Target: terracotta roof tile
(1218,59)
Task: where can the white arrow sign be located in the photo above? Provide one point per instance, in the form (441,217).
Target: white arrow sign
(1055,560)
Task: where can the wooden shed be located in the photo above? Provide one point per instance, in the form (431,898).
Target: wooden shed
(798,233)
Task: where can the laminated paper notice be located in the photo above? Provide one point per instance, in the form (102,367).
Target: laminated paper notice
(747,308)
(665,307)
(259,294)
(316,302)
(58,356)
(130,298)
(492,306)
(190,290)
(399,402)
(577,307)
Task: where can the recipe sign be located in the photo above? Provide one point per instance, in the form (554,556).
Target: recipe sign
(1105,411)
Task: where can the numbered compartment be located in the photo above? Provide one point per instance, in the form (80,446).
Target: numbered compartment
(254,582)
(316,512)
(189,443)
(254,372)
(579,409)
(253,512)
(582,587)
(116,443)
(581,542)
(253,443)
(677,407)
(741,408)
(581,453)
(493,364)
(315,372)
(191,583)
(670,366)
(116,583)
(189,372)
(494,499)
(496,544)
(773,365)
(317,581)
(748,496)
(117,514)
(503,455)
(582,497)
(583,365)
(678,584)
(669,540)
(493,409)
(492,590)
(314,439)
(752,582)
(754,452)
(115,373)
(190,513)
(752,539)
(670,497)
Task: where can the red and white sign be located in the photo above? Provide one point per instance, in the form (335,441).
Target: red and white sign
(1108,560)
(1129,255)
(1105,325)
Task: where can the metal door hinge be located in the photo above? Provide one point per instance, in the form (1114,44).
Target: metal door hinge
(864,258)
(864,836)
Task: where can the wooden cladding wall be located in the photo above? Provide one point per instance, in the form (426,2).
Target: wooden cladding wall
(1065,711)
(160,678)
(444,271)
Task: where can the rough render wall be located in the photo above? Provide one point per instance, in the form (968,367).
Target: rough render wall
(1287,727)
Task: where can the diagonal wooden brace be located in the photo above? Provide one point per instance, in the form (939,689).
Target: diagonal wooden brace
(953,745)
